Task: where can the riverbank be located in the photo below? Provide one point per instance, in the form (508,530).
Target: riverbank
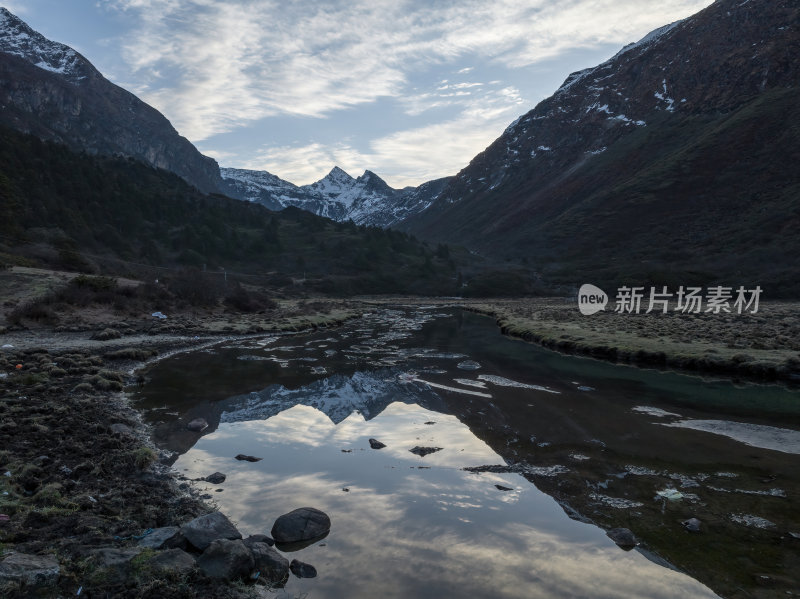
(81,477)
(764,346)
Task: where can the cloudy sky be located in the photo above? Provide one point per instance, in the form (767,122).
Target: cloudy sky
(409,89)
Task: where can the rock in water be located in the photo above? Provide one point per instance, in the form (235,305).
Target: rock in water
(204,530)
(375,444)
(692,525)
(197,425)
(215,479)
(248,458)
(303,524)
(302,570)
(227,560)
(623,537)
(423,451)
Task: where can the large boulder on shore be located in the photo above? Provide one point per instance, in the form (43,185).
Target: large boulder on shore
(224,559)
(302,524)
(270,565)
(32,570)
(204,530)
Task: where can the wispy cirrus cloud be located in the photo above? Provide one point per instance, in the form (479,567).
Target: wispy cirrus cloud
(214,66)
(408,156)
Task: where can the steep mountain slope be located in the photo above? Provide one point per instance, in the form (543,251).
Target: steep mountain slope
(367,200)
(64,209)
(674,161)
(49,90)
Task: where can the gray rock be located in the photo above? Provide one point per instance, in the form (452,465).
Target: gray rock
(247,458)
(303,524)
(115,561)
(259,539)
(692,524)
(375,444)
(227,560)
(623,537)
(215,479)
(423,451)
(173,561)
(159,537)
(503,488)
(302,570)
(269,564)
(121,429)
(197,425)
(202,531)
(33,570)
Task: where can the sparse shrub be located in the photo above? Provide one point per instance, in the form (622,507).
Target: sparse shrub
(131,353)
(107,334)
(83,388)
(143,457)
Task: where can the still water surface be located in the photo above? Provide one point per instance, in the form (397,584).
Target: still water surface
(406,525)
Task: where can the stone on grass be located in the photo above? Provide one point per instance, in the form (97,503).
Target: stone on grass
(204,530)
(227,560)
(159,537)
(175,561)
(270,565)
(302,524)
(33,570)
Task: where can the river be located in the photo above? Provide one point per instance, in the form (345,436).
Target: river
(522,459)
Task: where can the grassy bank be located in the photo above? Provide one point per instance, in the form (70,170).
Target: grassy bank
(762,346)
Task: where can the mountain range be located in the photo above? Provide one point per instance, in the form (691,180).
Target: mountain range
(673,162)
(49,90)
(367,200)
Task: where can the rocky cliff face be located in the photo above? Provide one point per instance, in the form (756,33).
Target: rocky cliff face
(694,120)
(366,200)
(49,90)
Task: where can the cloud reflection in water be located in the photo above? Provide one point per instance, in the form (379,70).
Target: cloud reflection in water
(402,531)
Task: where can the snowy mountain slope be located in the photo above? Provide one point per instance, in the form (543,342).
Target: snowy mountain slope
(49,90)
(366,200)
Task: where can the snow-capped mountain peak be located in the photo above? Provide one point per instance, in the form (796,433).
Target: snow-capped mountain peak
(367,200)
(18,39)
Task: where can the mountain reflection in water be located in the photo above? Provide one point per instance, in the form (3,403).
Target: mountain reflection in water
(407,526)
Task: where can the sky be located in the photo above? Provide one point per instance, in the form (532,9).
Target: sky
(411,90)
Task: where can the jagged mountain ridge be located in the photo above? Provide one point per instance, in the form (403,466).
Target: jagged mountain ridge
(670,155)
(366,200)
(49,90)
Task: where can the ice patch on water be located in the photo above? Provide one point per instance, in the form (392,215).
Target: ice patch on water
(455,389)
(651,411)
(470,383)
(750,520)
(504,382)
(468,365)
(755,435)
(640,471)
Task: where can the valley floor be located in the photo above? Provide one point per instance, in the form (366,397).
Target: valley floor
(82,479)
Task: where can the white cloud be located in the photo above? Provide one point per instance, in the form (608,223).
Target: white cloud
(406,157)
(214,66)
